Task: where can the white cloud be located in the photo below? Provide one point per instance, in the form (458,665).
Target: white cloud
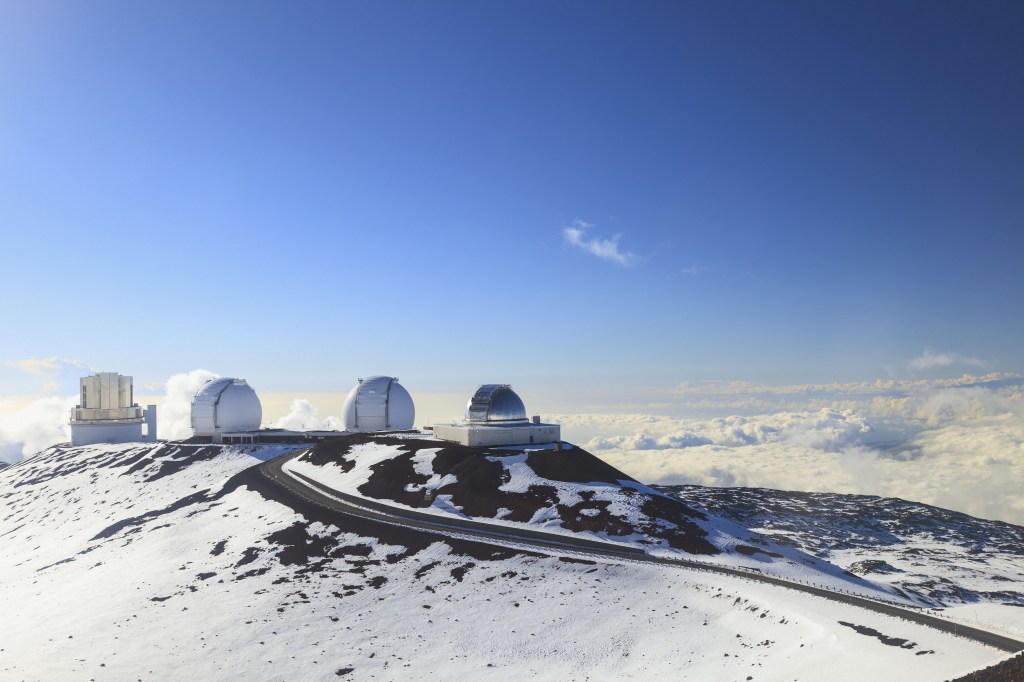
(38,425)
(174,419)
(28,426)
(303,417)
(957,444)
(44,367)
(826,430)
(605,249)
(929,360)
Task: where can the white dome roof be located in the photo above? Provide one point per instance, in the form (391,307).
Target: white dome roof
(226,406)
(378,403)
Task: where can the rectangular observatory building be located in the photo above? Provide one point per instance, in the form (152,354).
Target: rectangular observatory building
(483,435)
(496,416)
(107,413)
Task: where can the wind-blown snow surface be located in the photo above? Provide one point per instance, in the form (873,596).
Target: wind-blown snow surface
(940,557)
(158,562)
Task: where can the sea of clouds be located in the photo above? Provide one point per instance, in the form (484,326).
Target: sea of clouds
(955,443)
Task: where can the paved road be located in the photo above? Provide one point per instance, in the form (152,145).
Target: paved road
(309,491)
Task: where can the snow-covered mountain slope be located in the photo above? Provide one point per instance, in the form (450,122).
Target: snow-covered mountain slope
(562,490)
(940,556)
(180,561)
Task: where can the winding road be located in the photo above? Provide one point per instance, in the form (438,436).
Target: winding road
(310,491)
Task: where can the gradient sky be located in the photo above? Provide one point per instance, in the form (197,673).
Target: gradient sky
(302,193)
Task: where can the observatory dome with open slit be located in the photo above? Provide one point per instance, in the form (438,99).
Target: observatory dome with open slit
(378,403)
(495,403)
(226,406)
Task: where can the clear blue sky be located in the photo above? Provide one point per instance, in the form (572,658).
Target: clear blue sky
(304,192)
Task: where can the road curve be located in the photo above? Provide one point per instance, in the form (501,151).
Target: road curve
(308,490)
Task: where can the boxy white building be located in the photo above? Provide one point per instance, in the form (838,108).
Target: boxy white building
(107,413)
(496,416)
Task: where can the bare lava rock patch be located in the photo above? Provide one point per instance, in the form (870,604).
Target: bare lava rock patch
(480,473)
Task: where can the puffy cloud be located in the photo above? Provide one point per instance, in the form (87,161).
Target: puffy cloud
(44,367)
(44,421)
(605,249)
(174,419)
(38,425)
(825,429)
(27,428)
(303,417)
(929,359)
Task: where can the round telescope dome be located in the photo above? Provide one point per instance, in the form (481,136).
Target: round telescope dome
(378,403)
(495,403)
(226,406)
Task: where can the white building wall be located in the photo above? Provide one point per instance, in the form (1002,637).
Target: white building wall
(114,390)
(107,413)
(87,434)
(475,435)
(150,415)
(106,391)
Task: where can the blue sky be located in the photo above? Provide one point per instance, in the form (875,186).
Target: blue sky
(302,193)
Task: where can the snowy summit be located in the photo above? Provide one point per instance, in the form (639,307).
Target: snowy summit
(388,556)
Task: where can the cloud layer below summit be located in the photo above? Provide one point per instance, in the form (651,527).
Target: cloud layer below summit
(952,443)
(955,443)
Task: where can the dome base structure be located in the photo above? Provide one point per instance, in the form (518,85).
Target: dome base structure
(494,435)
(496,416)
(109,431)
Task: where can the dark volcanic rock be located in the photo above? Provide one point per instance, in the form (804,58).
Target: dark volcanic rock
(932,554)
(884,639)
(572,464)
(476,481)
(872,566)
(1010,670)
(399,468)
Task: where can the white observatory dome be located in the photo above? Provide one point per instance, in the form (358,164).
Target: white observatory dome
(226,406)
(378,404)
(495,403)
